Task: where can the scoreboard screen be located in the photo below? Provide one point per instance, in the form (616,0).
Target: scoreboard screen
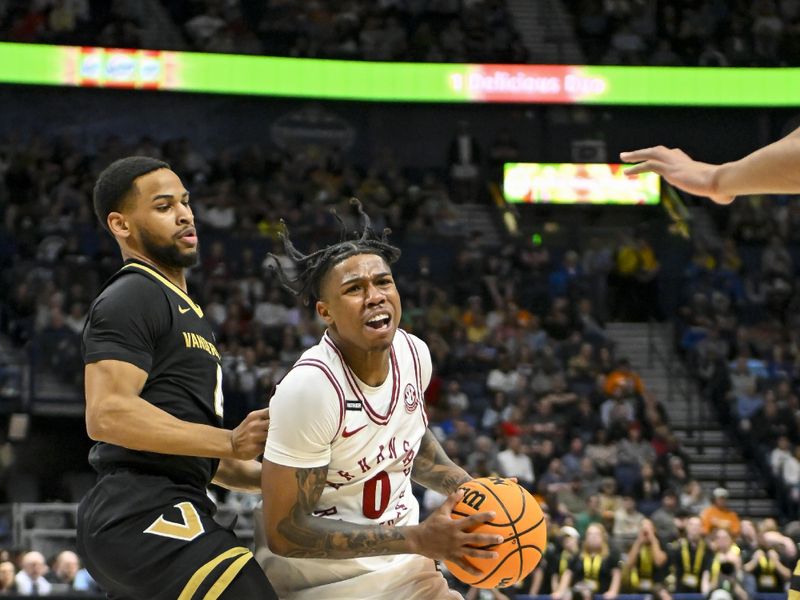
(578,183)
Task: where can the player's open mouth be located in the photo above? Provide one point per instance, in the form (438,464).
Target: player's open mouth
(189,236)
(379,321)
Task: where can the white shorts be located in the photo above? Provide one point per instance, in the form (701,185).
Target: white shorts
(419,580)
(399,577)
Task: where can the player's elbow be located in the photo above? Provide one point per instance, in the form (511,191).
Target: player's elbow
(278,544)
(99,422)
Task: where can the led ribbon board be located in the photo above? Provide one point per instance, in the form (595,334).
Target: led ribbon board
(576,183)
(396,82)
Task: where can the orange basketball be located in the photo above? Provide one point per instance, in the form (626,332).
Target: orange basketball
(518,518)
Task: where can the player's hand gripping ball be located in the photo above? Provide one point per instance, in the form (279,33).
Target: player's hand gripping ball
(518,518)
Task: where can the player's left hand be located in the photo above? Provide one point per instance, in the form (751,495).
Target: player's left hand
(441,537)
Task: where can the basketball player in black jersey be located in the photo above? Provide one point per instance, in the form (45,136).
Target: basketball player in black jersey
(154,406)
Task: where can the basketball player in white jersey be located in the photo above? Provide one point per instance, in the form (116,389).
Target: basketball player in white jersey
(347,435)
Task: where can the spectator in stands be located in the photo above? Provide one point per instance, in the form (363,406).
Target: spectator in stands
(482,461)
(572,459)
(590,478)
(30,579)
(514,461)
(727,559)
(748,403)
(690,559)
(592,513)
(602,452)
(693,497)
(627,521)
(67,574)
(623,376)
(769,568)
(647,490)
(585,421)
(595,570)
(8,584)
(547,577)
(504,377)
(633,452)
(618,412)
(664,517)
(719,515)
(780,454)
(646,566)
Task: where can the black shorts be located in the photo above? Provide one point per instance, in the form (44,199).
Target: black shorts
(145,537)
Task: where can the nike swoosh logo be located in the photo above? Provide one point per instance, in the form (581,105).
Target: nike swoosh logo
(183,310)
(346,434)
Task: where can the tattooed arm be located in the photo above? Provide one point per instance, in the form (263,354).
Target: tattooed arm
(291,496)
(434,470)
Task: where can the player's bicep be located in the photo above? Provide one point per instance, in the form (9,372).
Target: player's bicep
(290,495)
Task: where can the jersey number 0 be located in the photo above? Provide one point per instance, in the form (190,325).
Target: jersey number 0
(373,506)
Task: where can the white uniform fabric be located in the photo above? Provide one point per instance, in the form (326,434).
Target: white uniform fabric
(322,414)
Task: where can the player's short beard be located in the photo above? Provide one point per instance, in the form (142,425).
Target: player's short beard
(168,255)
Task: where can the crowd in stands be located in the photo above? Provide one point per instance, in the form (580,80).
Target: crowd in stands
(711,33)
(626,32)
(29,574)
(739,329)
(390,30)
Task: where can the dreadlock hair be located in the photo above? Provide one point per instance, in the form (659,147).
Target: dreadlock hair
(313,267)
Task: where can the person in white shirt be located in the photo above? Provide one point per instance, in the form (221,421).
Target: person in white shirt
(348,434)
(779,455)
(30,580)
(515,462)
(504,378)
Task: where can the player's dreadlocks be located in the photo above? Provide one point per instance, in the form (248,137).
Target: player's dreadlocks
(313,267)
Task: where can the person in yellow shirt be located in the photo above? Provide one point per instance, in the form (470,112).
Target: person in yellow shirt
(719,516)
(727,552)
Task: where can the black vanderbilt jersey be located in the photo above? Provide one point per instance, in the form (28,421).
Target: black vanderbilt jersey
(142,318)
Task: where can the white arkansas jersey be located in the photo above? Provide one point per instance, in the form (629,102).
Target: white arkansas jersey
(322,414)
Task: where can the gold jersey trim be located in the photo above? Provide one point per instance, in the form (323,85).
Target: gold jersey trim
(184,296)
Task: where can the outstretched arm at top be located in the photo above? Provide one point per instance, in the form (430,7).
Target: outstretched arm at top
(117,414)
(773,169)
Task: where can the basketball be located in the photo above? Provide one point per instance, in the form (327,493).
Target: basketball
(518,518)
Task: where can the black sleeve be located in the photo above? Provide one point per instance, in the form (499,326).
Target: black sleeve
(614,560)
(126,321)
(576,566)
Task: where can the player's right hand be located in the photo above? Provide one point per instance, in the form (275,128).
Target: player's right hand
(678,168)
(248,439)
(441,537)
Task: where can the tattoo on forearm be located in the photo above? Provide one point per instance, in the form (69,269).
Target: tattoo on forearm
(433,469)
(317,537)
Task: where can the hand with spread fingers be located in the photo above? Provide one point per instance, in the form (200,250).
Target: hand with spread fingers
(679,169)
(443,538)
(773,169)
(248,439)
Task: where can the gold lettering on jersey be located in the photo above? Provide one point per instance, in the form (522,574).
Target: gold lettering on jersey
(195,340)
(191,527)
